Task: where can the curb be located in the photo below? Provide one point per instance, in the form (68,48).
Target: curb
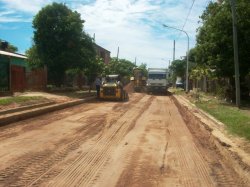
(227,147)
(14,117)
(19,109)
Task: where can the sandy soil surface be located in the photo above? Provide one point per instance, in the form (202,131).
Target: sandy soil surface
(144,142)
(50,96)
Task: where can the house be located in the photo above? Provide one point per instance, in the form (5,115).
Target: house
(16,76)
(103,53)
(12,72)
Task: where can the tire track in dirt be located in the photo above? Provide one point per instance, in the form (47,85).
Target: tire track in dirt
(222,173)
(33,168)
(14,129)
(87,167)
(179,163)
(141,168)
(189,157)
(34,165)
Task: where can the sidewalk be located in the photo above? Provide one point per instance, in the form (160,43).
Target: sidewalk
(55,102)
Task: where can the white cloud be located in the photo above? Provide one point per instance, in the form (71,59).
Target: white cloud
(24,5)
(133,25)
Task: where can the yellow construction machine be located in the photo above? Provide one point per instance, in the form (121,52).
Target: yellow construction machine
(112,88)
(139,80)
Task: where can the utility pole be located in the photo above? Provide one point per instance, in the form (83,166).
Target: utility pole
(135,60)
(187,87)
(236,58)
(117,54)
(174,52)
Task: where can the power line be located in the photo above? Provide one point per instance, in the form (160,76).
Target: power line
(190,9)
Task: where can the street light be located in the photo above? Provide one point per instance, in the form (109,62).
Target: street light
(187,51)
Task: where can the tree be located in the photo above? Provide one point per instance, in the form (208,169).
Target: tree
(95,68)
(60,42)
(178,68)
(4,45)
(214,47)
(143,66)
(33,59)
(122,67)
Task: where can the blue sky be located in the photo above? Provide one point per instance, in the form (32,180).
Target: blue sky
(133,25)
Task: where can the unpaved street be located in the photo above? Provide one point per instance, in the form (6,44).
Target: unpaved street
(144,142)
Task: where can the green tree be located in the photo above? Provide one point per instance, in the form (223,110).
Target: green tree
(60,41)
(7,46)
(33,59)
(143,66)
(214,47)
(95,68)
(178,68)
(122,67)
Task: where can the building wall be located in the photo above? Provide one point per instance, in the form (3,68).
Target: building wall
(18,78)
(103,53)
(4,74)
(36,79)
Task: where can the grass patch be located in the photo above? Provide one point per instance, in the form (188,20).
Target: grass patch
(176,91)
(237,121)
(20,100)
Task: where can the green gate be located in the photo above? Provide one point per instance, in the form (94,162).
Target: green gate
(4,74)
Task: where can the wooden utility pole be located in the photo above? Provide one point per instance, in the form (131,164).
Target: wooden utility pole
(236,58)
(117,57)
(174,52)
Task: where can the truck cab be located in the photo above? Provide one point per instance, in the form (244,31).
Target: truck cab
(157,80)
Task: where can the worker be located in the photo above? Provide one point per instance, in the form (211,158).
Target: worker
(97,86)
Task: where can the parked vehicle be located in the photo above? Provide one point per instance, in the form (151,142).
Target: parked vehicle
(157,80)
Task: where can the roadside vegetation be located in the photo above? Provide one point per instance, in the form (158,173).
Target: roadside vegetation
(237,121)
(211,61)
(211,66)
(21,100)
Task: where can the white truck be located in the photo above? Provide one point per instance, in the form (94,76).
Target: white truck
(157,80)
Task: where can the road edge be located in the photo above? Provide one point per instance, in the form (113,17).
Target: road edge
(229,149)
(21,115)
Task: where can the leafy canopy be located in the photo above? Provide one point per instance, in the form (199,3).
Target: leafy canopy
(214,47)
(6,46)
(59,41)
(122,67)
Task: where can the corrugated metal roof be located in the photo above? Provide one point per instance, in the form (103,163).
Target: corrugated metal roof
(5,53)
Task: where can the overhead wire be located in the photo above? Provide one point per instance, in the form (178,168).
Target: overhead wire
(189,12)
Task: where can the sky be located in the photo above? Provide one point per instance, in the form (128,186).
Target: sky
(135,26)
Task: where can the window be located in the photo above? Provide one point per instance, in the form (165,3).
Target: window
(157,76)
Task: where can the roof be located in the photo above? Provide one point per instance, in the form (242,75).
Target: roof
(98,46)
(5,53)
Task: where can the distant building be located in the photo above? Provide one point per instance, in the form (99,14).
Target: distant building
(103,53)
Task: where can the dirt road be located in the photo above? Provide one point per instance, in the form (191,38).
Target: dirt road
(144,142)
